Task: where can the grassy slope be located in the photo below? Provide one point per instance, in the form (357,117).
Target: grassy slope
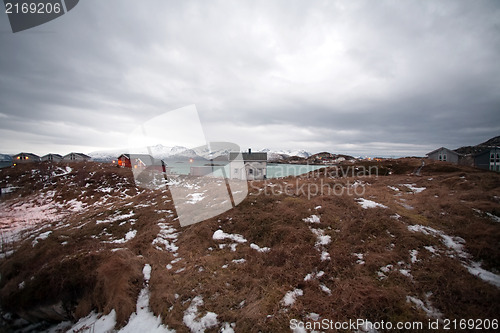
(85,274)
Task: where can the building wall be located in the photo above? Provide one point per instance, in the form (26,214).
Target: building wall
(444,154)
(251,170)
(51,158)
(489,160)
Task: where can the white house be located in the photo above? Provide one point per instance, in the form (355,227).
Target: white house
(253,166)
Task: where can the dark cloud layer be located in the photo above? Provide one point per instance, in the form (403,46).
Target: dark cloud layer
(385,78)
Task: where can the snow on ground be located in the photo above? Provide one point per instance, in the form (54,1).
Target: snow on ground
(17,217)
(166,238)
(221,235)
(360,257)
(40,237)
(426,307)
(291,296)
(321,238)
(312,219)
(258,248)
(143,320)
(365,203)
(116,217)
(314,275)
(195,197)
(413,256)
(194,321)
(493,217)
(413,188)
(456,244)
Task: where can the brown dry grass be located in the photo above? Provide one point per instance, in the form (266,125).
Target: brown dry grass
(86,275)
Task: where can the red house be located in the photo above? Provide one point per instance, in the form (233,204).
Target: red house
(141,161)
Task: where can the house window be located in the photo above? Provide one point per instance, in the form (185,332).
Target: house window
(235,170)
(440,157)
(492,157)
(250,171)
(445,157)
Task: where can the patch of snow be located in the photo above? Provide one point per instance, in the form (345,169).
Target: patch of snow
(475,269)
(360,257)
(365,203)
(291,296)
(317,207)
(413,188)
(427,307)
(196,323)
(40,237)
(95,322)
(312,219)
(325,256)
(325,289)
(221,235)
(115,218)
(393,188)
(413,255)
(227,328)
(258,248)
(195,197)
(322,239)
(493,217)
(239,261)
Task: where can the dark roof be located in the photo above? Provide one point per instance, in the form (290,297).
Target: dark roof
(487,151)
(27,154)
(449,150)
(52,155)
(248,157)
(78,154)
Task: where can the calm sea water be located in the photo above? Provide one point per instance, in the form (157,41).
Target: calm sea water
(273,170)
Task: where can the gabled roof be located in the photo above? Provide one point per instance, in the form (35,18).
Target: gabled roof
(77,154)
(50,154)
(448,150)
(248,157)
(27,154)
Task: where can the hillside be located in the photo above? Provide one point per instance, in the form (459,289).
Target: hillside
(493,142)
(85,249)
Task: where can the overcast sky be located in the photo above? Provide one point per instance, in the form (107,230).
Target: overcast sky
(359,77)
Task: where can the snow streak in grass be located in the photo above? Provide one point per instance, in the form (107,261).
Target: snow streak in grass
(365,203)
(456,244)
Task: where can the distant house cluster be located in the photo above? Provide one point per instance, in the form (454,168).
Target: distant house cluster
(487,159)
(23,158)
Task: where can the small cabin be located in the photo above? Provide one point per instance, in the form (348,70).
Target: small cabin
(254,166)
(488,159)
(445,155)
(141,161)
(51,158)
(22,158)
(75,157)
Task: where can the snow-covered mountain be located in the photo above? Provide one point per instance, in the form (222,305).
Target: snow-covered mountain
(164,152)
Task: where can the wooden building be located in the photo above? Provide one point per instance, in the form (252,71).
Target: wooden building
(25,158)
(75,157)
(489,159)
(51,158)
(251,166)
(445,155)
